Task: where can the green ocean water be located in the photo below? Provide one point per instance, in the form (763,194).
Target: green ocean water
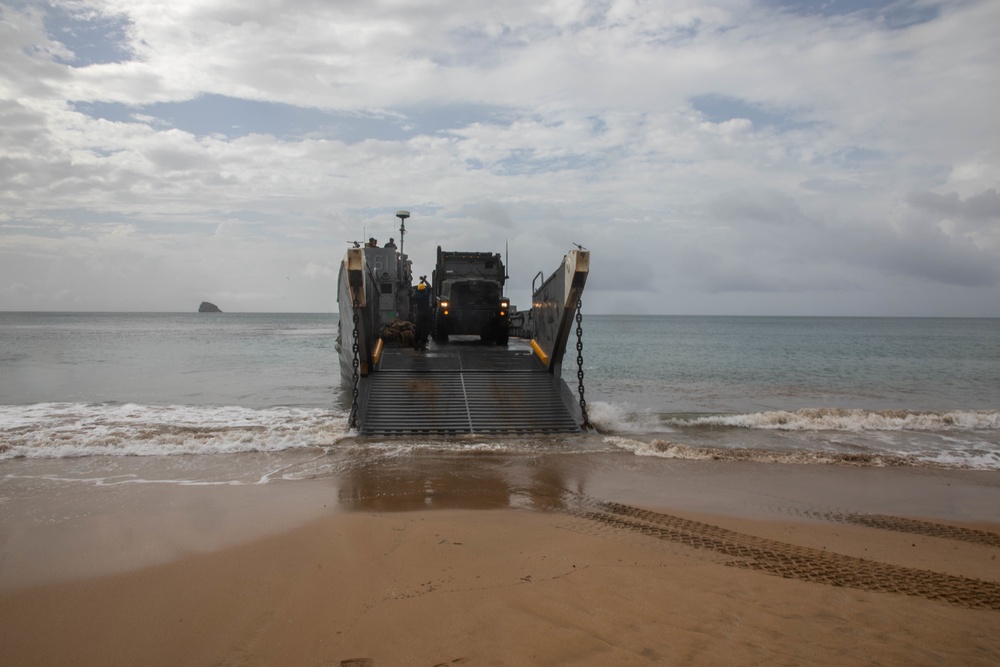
(872,390)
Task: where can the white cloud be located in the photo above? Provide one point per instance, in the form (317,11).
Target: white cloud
(853,155)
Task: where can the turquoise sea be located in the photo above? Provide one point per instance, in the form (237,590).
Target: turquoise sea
(815,391)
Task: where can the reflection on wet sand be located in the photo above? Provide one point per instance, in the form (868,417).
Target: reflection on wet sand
(455,482)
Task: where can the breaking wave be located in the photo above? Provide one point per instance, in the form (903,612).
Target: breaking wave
(673,450)
(617,418)
(964,439)
(968,439)
(64,430)
(838,419)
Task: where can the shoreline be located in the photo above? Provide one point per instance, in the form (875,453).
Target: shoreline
(73,518)
(492,559)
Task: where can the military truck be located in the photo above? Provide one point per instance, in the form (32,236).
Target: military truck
(469,298)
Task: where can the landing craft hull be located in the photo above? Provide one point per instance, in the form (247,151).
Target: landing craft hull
(378,281)
(345,328)
(464,387)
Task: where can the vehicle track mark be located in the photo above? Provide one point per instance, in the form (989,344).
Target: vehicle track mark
(912,526)
(791,561)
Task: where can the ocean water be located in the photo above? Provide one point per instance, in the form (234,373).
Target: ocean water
(813,391)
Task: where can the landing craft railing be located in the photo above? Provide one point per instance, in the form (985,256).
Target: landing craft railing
(535,279)
(554,305)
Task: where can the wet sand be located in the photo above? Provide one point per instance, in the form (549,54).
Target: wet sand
(506,561)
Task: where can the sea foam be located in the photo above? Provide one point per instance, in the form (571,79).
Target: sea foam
(674,450)
(624,418)
(62,430)
(619,418)
(838,419)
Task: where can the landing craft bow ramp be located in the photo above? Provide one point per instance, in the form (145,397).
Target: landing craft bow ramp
(465,387)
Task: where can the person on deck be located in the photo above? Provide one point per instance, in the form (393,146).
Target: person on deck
(422,314)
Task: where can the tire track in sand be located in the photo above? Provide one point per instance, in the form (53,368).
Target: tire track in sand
(791,561)
(913,526)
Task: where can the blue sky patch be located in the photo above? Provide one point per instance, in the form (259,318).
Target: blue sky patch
(233,117)
(525,162)
(894,14)
(859,154)
(94,39)
(720,108)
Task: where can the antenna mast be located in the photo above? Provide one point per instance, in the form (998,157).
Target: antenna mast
(506,261)
(402,215)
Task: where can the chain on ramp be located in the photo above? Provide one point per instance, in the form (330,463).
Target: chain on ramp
(579,363)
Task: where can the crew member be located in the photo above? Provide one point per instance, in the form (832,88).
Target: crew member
(422,314)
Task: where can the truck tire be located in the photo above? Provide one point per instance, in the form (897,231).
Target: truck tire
(502,334)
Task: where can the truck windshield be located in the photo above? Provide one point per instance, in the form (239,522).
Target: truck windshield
(476,293)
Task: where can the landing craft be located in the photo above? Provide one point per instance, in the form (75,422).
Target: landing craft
(476,377)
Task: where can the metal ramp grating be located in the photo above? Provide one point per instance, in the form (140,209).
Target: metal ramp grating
(469,401)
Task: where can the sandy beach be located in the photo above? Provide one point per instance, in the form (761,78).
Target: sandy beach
(492,561)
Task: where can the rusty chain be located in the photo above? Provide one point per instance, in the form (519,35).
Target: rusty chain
(579,362)
(355,363)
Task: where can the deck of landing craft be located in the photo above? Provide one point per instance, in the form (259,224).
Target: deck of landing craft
(465,387)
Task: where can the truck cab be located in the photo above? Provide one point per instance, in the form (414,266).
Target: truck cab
(469,298)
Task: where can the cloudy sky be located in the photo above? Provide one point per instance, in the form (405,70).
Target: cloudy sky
(717,157)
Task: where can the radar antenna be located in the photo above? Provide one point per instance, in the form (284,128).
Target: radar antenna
(402,215)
